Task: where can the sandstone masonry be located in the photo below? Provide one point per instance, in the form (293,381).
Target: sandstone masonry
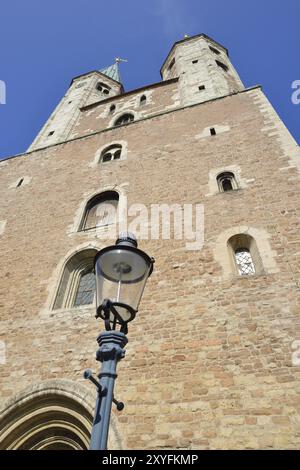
(209,359)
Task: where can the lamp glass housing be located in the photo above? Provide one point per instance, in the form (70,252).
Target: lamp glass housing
(121,275)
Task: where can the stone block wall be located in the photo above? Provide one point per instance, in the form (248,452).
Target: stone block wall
(209,359)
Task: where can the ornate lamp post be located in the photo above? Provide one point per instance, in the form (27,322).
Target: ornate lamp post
(121,272)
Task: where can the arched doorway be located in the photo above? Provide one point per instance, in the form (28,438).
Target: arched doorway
(56,415)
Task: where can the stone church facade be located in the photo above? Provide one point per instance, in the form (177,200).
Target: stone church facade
(213,355)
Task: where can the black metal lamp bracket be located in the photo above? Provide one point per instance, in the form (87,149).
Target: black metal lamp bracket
(88,375)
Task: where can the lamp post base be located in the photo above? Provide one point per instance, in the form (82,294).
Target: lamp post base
(110,352)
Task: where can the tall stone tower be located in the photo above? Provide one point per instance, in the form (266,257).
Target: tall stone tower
(213,355)
(204,69)
(86,89)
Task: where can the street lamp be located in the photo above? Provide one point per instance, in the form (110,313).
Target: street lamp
(121,272)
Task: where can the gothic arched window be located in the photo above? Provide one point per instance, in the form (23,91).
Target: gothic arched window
(101,211)
(124,119)
(77,284)
(111,153)
(245,255)
(226,182)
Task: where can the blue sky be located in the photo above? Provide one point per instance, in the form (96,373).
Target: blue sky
(45,44)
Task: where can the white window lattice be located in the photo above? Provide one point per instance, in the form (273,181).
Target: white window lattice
(244,262)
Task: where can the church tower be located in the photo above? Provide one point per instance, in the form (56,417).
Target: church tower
(212,360)
(204,70)
(85,89)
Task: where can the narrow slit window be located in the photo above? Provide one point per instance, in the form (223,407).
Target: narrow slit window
(20,182)
(222,66)
(51,133)
(172,63)
(143,100)
(213,131)
(214,50)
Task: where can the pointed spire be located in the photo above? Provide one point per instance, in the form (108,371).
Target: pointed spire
(112,72)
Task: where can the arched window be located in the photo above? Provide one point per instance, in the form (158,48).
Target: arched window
(101,211)
(111,153)
(143,100)
(245,255)
(226,182)
(103,88)
(77,284)
(124,119)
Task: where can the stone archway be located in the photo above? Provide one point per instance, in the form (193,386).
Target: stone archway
(55,415)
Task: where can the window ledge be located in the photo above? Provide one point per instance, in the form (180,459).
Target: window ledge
(101,228)
(249,277)
(82,309)
(230,192)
